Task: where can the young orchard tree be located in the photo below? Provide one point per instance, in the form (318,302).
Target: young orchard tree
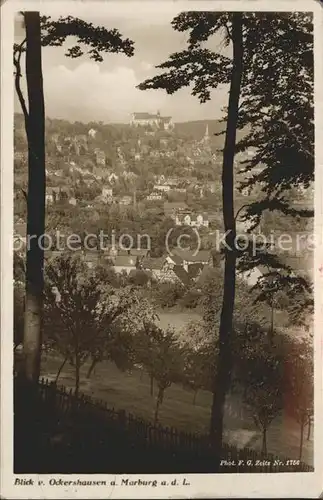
(143,346)
(300,385)
(301,309)
(199,367)
(263,389)
(43,32)
(211,300)
(161,355)
(278,281)
(82,316)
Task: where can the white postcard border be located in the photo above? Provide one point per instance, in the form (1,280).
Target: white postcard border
(282,485)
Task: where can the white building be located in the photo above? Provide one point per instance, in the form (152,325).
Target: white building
(112,177)
(107,192)
(92,132)
(165,188)
(152,120)
(125,200)
(189,219)
(154,196)
(99,157)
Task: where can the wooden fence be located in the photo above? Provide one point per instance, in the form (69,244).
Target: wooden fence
(80,434)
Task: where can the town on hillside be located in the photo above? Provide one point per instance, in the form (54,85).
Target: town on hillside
(163,244)
(151,173)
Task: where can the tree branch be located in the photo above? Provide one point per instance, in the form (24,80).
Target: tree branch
(240,209)
(228,31)
(292,133)
(24,193)
(16,60)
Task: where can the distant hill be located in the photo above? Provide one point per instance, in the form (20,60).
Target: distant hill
(192,129)
(196,130)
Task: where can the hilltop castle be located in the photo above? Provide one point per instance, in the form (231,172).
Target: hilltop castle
(151,120)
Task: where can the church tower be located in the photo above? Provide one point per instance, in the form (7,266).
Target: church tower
(206,135)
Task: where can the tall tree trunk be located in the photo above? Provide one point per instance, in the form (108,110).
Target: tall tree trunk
(194,396)
(60,370)
(35,198)
(223,374)
(158,403)
(264,441)
(151,385)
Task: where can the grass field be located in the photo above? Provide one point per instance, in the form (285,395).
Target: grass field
(130,391)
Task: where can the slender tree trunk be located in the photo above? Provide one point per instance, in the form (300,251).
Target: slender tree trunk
(264,441)
(92,366)
(77,375)
(272,312)
(60,369)
(35,198)
(194,396)
(158,403)
(151,385)
(309,428)
(301,439)
(223,374)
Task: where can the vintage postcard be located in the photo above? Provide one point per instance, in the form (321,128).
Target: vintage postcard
(161,249)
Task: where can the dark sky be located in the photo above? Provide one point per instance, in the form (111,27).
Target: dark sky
(81,89)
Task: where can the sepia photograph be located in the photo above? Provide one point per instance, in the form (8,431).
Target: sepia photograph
(161,310)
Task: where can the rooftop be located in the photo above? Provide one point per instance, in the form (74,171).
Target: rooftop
(195,269)
(176,259)
(201,256)
(141,252)
(182,275)
(151,116)
(152,264)
(145,116)
(51,190)
(125,261)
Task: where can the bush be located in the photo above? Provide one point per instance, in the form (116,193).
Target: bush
(191,299)
(168,294)
(138,277)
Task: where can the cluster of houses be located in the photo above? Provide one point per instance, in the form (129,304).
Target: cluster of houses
(59,195)
(179,212)
(182,215)
(165,187)
(179,267)
(77,144)
(67,195)
(192,151)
